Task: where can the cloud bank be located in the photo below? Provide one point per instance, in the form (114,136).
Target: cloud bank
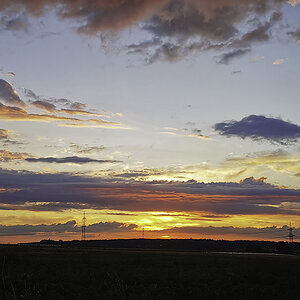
(68,227)
(58,192)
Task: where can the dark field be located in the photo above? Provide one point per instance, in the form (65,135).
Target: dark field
(87,273)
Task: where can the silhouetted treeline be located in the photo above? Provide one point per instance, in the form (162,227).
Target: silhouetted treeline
(204,245)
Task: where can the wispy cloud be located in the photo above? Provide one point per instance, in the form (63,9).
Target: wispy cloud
(257,58)
(228,57)
(280,61)
(295,34)
(12,113)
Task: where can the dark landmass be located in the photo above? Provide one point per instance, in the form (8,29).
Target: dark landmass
(203,245)
(78,271)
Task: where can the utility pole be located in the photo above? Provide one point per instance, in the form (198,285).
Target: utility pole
(143,233)
(291,235)
(83,227)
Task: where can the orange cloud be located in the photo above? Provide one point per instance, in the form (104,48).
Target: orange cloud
(6,156)
(12,113)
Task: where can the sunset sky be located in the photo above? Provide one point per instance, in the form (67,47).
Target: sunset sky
(181,117)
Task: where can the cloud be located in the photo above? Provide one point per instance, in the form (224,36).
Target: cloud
(236,72)
(261,128)
(57,192)
(31,94)
(257,58)
(280,61)
(78,112)
(294,2)
(14,23)
(50,107)
(179,26)
(73,108)
(12,74)
(279,161)
(198,134)
(71,159)
(45,105)
(12,113)
(295,34)
(8,95)
(226,58)
(191,132)
(4,134)
(184,27)
(95,17)
(6,138)
(85,149)
(78,106)
(6,156)
(68,227)
(259,34)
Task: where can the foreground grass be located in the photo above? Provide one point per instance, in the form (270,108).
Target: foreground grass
(79,273)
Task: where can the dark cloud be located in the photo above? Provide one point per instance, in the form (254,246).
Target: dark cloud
(15,23)
(6,156)
(143,47)
(295,34)
(95,16)
(68,227)
(178,27)
(226,58)
(57,192)
(45,105)
(70,107)
(78,106)
(71,159)
(170,51)
(31,94)
(8,95)
(183,19)
(257,35)
(261,128)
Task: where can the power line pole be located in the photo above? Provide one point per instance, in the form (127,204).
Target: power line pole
(83,227)
(291,235)
(143,233)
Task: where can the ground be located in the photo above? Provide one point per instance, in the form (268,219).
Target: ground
(96,273)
